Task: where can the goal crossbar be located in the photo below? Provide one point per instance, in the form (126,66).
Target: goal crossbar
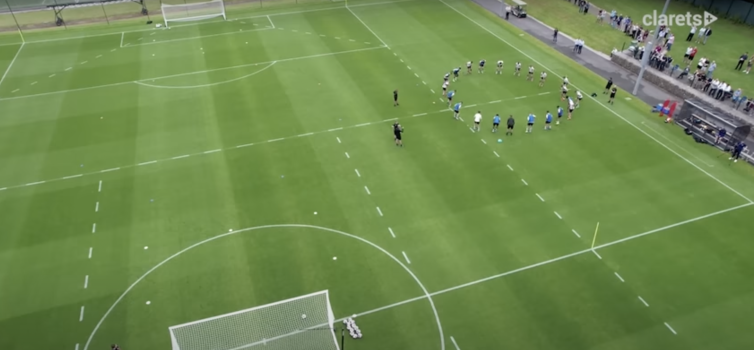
(192,11)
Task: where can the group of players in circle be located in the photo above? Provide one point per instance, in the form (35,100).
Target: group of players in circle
(456,108)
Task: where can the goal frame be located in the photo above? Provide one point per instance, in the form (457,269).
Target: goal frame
(330,324)
(195,18)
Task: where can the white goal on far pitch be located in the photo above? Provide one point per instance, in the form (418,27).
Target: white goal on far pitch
(196,11)
(300,323)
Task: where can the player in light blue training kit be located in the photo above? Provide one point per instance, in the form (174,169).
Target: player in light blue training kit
(495,122)
(530,123)
(457,110)
(548,121)
(560,115)
(456,71)
(451,93)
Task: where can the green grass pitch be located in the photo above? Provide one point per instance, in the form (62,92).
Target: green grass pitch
(122,151)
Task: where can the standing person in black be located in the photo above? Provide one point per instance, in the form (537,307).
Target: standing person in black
(397,131)
(395,98)
(742,60)
(511,124)
(555,36)
(608,86)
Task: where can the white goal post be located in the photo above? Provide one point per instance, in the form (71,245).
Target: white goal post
(300,323)
(193,11)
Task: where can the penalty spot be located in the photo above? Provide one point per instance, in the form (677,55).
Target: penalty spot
(146,247)
(335,258)
(148,302)
(315,213)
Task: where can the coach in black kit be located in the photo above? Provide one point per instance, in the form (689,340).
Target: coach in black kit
(397,131)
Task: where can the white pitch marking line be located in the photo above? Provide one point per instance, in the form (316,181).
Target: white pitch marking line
(322,35)
(433,91)
(597,254)
(558,215)
(417,75)
(484,142)
(72,176)
(34,83)
(362,124)
(153,33)
(379,211)
(409,68)
(139,39)
(540,197)
(454,343)
(295,31)
(472,130)
(338,138)
(275,140)
(461,120)
(497,155)
(109,170)
(94,227)
(395,54)
(576,233)
(85,62)
(441,100)
(96,207)
(619,277)
(86,281)
(509,167)
(180,157)
(336,129)
(90,252)
(212,151)
(419,114)
(543,93)
(3,189)
(12,61)
(474,105)
(245,145)
(391,232)
(81,315)
(525,183)
(51,75)
(113,50)
(77,346)
(520,97)
(406,256)
(307,134)
(347,156)
(496,101)
(69,68)
(367,188)
(357,172)
(670,328)
(643,301)
(99,189)
(35,183)
(14,91)
(147,163)
(98,56)
(351,40)
(423,82)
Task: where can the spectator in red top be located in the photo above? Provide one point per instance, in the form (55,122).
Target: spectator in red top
(692,54)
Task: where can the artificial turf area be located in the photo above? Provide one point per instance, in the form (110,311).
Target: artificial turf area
(122,153)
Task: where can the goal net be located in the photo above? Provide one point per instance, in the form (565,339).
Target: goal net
(193,11)
(301,323)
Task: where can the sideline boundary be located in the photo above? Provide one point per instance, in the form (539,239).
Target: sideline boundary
(11,63)
(601,104)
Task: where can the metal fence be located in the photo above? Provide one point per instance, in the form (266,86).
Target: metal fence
(739,11)
(31,15)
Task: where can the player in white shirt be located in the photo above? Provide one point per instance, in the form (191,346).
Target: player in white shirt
(565,81)
(570,107)
(477,121)
(517,71)
(499,69)
(579,97)
(530,75)
(563,92)
(446,77)
(542,78)
(468,67)
(445,88)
